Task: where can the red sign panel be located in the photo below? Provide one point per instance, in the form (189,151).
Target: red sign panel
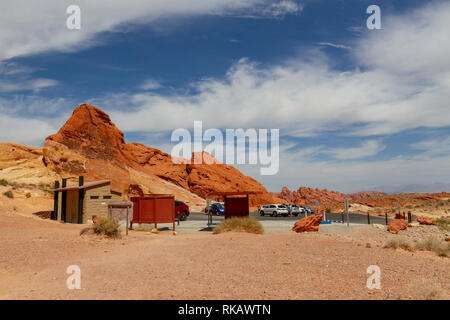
(153,209)
(236,207)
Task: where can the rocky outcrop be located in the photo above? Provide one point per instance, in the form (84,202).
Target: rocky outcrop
(426,220)
(305,195)
(396,225)
(24,164)
(308,224)
(90,144)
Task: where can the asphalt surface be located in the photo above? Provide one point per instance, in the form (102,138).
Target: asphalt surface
(335,217)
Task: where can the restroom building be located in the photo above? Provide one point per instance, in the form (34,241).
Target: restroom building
(87,200)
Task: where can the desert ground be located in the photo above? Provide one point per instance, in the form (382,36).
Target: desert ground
(331,264)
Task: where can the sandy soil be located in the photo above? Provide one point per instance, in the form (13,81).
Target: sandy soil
(35,253)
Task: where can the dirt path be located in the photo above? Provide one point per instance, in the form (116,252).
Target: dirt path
(34,255)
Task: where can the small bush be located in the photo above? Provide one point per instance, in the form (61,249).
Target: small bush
(240,224)
(3,182)
(28,195)
(8,194)
(441,248)
(403,243)
(443,223)
(424,289)
(88,230)
(427,244)
(328,210)
(108,226)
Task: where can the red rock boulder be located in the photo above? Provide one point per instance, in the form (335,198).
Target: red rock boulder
(426,220)
(396,225)
(308,224)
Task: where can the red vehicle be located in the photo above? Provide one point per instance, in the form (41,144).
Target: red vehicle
(181,210)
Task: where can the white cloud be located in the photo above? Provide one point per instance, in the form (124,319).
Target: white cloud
(434,146)
(334,45)
(150,84)
(306,97)
(352,176)
(366,149)
(28,27)
(25,131)
(13,68)
(282,8)
(17,77)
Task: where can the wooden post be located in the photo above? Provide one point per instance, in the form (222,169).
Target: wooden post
(346,211)
(409,217)
(55,202)
(63,201)
(80,199)
(128,210)
(368,218)
(385,215)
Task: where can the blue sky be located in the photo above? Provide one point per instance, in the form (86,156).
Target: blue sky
(356,108)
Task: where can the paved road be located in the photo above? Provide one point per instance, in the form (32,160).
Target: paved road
(354,218)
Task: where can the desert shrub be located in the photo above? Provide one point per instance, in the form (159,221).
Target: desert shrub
(240,224)
(88,230)
(3,182)
(443,223)
(398,242)
(427,244)
(328,210)
(434,244)
(108,226)
(28,195)
(425,289)
(8,194)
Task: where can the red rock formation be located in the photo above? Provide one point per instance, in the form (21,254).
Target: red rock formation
(308,224)
(90,144)
(396,225)
(426,220)
(305,195)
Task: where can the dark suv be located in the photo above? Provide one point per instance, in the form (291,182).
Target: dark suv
(181,210)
